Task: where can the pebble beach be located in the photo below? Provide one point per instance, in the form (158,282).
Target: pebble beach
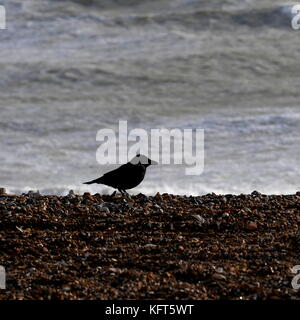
(149,247)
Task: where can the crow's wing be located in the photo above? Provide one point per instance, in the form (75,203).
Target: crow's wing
(114,178)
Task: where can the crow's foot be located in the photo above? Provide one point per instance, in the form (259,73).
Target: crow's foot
(113,194)
(124,193)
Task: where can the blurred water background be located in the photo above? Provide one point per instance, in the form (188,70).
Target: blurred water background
(71,68)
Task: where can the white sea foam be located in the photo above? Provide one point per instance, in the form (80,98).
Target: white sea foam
(160,64)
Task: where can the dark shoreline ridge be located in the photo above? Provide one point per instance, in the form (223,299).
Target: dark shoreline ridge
(160,247)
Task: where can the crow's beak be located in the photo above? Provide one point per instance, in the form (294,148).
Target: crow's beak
(153,162)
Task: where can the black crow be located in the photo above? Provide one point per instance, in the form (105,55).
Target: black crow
(127,176)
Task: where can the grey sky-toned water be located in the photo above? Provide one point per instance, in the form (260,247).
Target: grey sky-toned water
(71,68)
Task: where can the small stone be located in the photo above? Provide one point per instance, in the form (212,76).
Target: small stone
(218,276)
(71,194)
(20,229)
(158,196)
(66,288)
(220,270)
(200,220)
(224,199)
(150,246)
(104,207)
(105,210)
(251,226)
(86,195)
(33,194)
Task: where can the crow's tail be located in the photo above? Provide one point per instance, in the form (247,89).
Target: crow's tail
(90,182)
(99,180)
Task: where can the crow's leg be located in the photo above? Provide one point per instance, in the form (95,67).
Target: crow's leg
(121,191)
(126,194)
(113,194)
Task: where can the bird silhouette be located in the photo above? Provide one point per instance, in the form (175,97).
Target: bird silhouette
(127,176)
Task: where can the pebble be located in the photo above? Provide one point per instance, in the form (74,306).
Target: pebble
(61,247)
(218,276)
(150,246)
(251,226)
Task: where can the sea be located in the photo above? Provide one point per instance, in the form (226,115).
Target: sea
(71,68)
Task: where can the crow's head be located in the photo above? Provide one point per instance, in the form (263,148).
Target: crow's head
(140,159)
